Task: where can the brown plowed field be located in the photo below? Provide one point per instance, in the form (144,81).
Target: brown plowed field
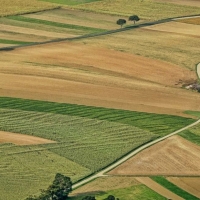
(97,76)
(158,188)
(173,156)
(177,27)
(182,2)
(20,139)
(189,184)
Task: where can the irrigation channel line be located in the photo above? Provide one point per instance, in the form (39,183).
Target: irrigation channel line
(10,48)
(131,154)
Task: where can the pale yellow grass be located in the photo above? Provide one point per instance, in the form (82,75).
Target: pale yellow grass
(105,184)
(98,77)
(12,7)
(180,49)
(177,27)
(189,184)
(173,156)
(182,2)
(21,139)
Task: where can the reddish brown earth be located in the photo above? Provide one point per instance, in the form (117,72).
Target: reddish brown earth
(173,156)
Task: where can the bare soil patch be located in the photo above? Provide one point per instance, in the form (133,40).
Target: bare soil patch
(105,184)
(21,139)
(182,2)
(158,188)
(173,156)
(98,77)
(177,27)
(189,184)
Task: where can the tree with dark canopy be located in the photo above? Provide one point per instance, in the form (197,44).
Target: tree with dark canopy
(121,22)
(58,190)
(134,18)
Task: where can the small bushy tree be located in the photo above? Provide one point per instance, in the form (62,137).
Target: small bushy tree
(134,18)
(121,22)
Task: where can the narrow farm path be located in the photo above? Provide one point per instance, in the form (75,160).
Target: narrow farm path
(100,34)
(112,166)
(158,188)
(198,70)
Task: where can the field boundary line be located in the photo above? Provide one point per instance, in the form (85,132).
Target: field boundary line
(131,154)
(10,48)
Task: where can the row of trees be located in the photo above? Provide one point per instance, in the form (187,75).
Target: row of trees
(60,189)
(133,18)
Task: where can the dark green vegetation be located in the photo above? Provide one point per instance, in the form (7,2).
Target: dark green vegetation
(58,190)
(13,42)
(175,189)
(136,192)
(83,134)
(70,2)
(56,24)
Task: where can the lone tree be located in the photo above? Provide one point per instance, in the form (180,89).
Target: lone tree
(121,22)
(58,190)
(134,18)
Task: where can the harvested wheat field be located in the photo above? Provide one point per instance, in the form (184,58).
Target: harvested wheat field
(177,27)
(189,184)
(182,2)
(173,156)
(20,139)
(98,77)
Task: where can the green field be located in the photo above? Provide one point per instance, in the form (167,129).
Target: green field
(83,134)
(137,192)
(175,189)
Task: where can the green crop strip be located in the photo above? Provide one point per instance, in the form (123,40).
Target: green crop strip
(70,2)
(175,189)
(156,123)
(188,135)
(3,41)
(56,24)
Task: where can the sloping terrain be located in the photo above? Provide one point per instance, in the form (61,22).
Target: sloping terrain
(174,156)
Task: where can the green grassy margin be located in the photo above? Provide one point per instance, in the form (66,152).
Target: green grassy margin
(4,41)
(173,188)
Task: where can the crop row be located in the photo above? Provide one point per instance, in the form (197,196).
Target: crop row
(155,123)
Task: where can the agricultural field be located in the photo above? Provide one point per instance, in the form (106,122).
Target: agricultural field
(64,123)
(75,106)
(121,187)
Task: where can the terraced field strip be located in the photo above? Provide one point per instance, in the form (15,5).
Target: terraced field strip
(70,2)
(175,189)
(158,188)
(4,41)
(56,24)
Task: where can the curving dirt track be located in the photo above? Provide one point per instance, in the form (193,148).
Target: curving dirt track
(98,77)
(173,156)
(20,139)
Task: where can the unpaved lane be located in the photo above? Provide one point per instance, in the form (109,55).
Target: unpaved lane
(158,188)
(198,70)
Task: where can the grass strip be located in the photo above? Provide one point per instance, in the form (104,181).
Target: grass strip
(188,135)
(70,2)
(159,124)
(56,24)
(3,41)
(173,188)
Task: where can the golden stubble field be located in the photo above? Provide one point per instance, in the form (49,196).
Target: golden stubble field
(83,74)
